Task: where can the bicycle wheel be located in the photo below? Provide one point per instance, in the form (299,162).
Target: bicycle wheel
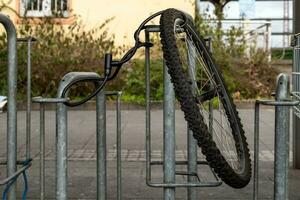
(197,83)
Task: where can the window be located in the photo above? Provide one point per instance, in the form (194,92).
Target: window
(44,8)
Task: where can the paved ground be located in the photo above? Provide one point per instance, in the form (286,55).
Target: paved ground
(82,147)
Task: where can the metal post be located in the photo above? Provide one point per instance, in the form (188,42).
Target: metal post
(62,130)
(61,136)
(148,108)
(42,151)
(169,184)
(119,147)
(61,146)
(192,165)
(256,152)
(282,122)
(28,109)
(28,41)
(12,102)
(296,17)
(192,143)
(61,152)
(169,136)
(268,39)
(101,146)
(296,86)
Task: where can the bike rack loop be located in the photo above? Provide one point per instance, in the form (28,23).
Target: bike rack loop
(12,102)
(61,140)
(282,124)
(169,184)
(12,58)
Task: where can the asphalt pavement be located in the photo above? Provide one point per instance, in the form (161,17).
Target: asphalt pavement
(82,156)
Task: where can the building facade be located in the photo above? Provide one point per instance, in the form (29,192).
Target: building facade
(127,14)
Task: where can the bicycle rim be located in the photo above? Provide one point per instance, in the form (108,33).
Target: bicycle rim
(203,86)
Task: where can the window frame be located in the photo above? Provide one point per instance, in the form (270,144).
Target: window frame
(45,12)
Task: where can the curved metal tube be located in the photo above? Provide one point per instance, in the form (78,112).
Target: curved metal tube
(12,102)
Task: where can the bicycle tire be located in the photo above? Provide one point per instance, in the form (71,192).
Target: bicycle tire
(236,178)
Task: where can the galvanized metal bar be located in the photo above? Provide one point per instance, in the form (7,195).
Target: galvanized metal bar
(268,39)
(282,123)
(101,146)
(42,151)
(277,103)
(28,108)
(148,109)
(61,152)
(169,136)
(256,152)
(178,162)
(29,41)
(296,88)
(49,100)
(12,101)
(61,144)
(62,130)
(175,185)
(191,142)
(192,164)
(282,105)
(169,187)
(119,147)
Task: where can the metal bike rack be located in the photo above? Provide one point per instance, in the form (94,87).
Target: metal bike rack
(282,105)
(42,102)
(62,138)
(11,162)
(169,164)
(169,184)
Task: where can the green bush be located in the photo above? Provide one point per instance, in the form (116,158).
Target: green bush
(246,69)
(59,49)
(64,48)
(134,78)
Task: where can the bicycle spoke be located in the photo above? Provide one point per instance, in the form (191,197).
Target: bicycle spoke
(222,131)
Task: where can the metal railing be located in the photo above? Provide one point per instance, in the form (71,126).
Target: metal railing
(169,183)
(169,163)
(28,41)
(282,103)
(12,177)
(62,138)
(263,31)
